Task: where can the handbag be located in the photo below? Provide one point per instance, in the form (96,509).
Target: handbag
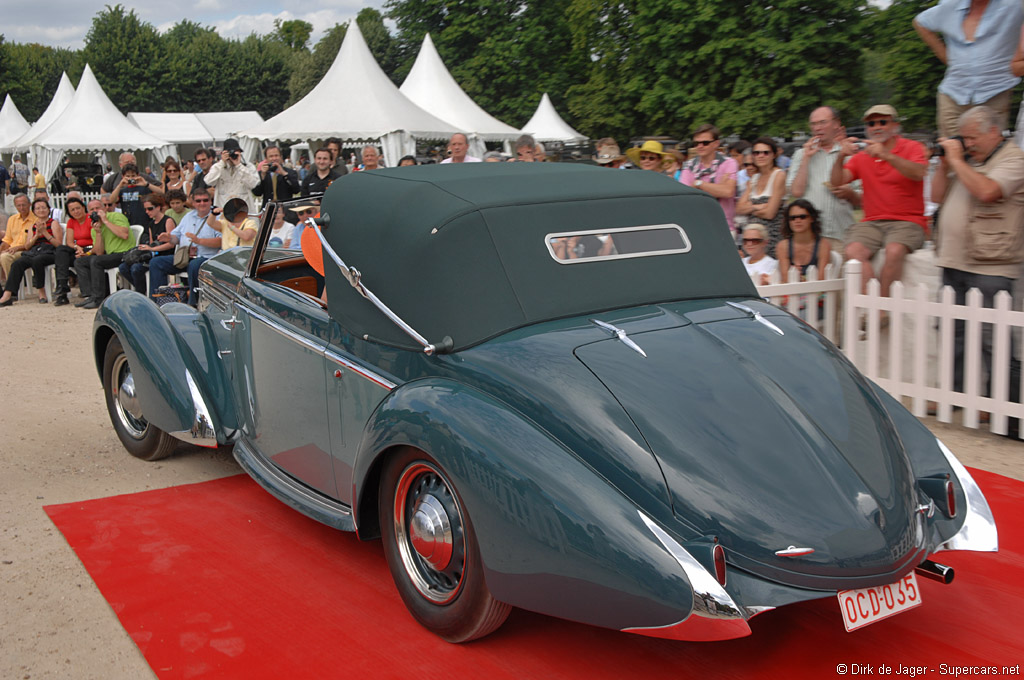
(181,257)
(136,256)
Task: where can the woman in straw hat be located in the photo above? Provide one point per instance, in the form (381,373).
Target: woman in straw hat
(649,156)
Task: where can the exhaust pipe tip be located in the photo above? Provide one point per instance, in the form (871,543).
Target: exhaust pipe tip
(936,572)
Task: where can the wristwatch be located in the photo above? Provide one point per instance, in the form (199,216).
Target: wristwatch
(698,183)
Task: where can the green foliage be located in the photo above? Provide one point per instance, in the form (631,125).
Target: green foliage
(621,68)
(909,67)
(295,33)
(126,54)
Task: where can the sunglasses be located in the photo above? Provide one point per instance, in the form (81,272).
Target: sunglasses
(753,241)
(649,157)
(149,207)
(879,121)
(762,153)
(109,205)
(799,216)
(706,142)
(200,200)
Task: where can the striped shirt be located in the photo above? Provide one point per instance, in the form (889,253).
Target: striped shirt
(836,215)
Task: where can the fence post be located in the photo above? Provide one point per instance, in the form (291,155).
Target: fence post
(850,300)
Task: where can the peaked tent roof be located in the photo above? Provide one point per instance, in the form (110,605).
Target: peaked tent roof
(355,100)
(61,98)
(178,128)
(431,86)
(12,123)
(224,124)
(91,122)
(547,126)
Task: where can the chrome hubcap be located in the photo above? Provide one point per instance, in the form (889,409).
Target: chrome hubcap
(429,533)
(126,403)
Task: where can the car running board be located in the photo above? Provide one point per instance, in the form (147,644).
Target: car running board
(292,492)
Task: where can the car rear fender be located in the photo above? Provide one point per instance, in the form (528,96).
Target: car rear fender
(179,377)
(554,537)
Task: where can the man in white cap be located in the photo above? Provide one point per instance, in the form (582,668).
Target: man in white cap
(892,171)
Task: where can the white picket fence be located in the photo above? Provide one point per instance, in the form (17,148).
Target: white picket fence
(905,342)
(816,302)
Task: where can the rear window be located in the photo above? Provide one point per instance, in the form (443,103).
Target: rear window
(598,245)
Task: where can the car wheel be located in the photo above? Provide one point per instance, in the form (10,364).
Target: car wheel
(142,439)
(432,551)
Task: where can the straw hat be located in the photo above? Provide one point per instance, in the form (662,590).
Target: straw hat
(650,146)
(608,153)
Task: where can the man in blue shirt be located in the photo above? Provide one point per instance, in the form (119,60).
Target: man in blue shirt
(979,38)
(194,232)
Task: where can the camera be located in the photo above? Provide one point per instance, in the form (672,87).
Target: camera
(235,154)
(939,151)
(273,167)
(95,216)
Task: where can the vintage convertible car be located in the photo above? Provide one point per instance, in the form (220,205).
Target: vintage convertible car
(550,387)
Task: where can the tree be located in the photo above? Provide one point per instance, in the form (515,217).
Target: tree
(294,33)
(31,72)
(126,55)
(309,69)
(909,67)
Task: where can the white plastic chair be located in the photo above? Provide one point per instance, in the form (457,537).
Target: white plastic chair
(135,231)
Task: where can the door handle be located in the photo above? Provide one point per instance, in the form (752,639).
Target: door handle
(229,324)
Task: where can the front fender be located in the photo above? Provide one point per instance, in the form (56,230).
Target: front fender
(554,537)
(178,374)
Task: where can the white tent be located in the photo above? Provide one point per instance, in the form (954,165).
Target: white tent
(224,124)
(431,86)
(12,123)
(91,123)
(177,128)
(354,101)
(547,126)
(61,98)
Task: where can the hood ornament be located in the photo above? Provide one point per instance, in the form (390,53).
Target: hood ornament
(621,335)
(756,316)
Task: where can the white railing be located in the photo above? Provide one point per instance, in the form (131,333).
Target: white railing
(816,302)
(905,344)
(60,200)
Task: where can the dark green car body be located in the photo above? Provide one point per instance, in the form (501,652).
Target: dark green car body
(609,423)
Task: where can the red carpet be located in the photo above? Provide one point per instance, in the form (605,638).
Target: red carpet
(219,580)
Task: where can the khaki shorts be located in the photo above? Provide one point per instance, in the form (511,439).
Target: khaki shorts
(880,233)
(948,112)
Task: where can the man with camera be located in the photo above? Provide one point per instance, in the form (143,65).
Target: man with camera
(892,171)
(232,177)
(277,183)
(980,240)
(111,239)
(130,191)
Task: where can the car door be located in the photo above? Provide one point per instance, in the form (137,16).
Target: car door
(280,380)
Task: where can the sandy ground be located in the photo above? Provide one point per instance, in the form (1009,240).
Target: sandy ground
(57,446)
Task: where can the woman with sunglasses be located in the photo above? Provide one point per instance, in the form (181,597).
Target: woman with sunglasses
(134,269)
(174,179)
(802,245)
(764,193)
(760,266)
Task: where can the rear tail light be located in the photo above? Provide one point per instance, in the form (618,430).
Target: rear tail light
(950,499)
(720,564)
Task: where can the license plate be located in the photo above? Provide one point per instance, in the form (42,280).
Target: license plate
(865,606)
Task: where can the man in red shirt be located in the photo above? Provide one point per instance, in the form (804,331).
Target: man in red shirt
(892,171)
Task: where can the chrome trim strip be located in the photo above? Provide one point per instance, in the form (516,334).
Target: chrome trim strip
(202,432)
(756,315)
(353,276)
(620,334)
(793,551)
(364,372)
(710,599)
(979,531)
(292,493)
(281,328)
(687,246)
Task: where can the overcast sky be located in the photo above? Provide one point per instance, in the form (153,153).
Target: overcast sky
(64,23)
